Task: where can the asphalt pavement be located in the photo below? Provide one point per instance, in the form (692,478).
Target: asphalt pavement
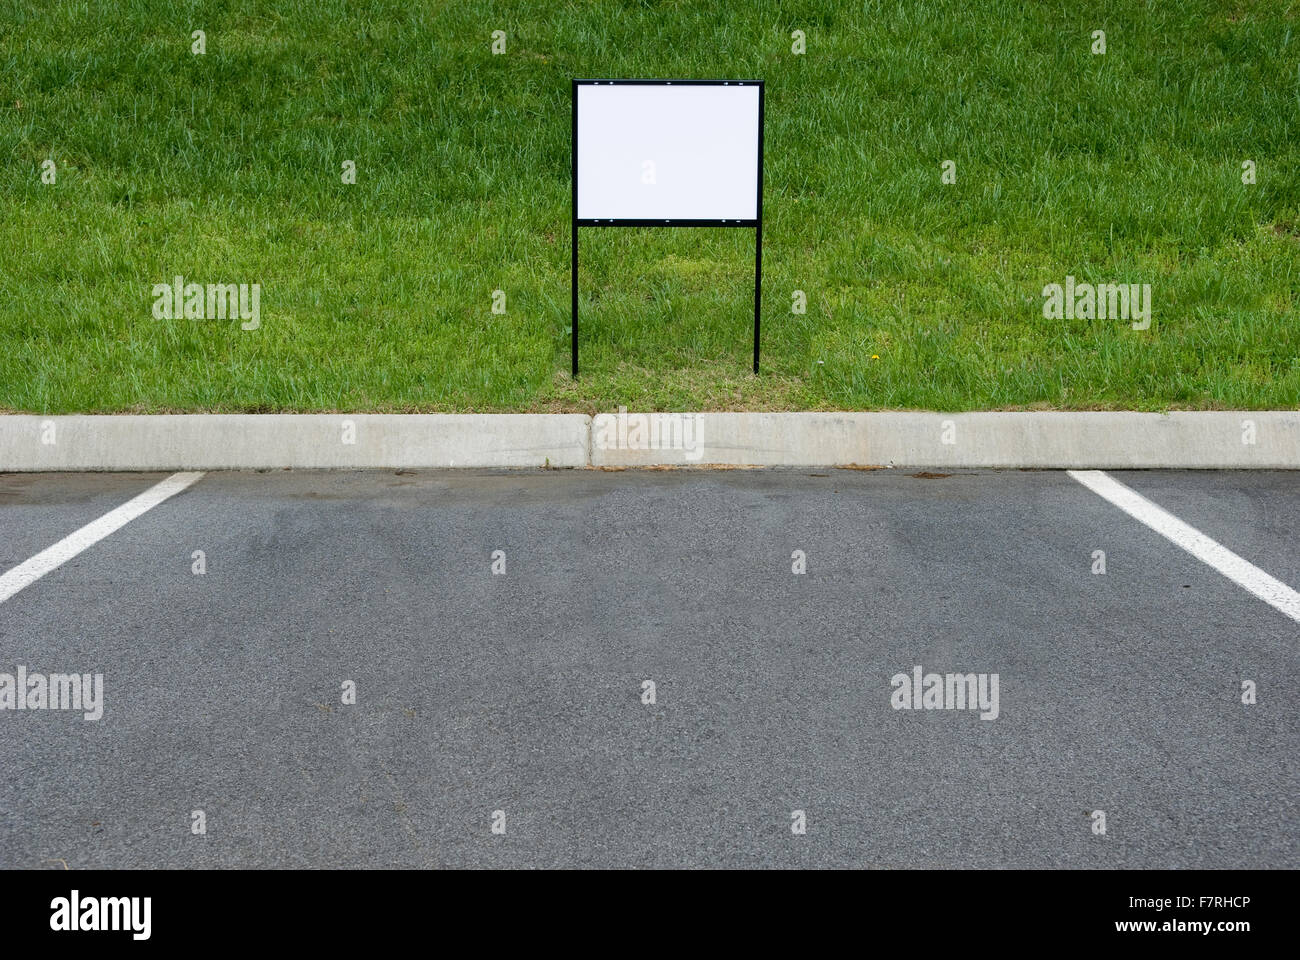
(517,699)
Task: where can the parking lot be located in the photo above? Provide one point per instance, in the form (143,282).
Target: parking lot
(518,698)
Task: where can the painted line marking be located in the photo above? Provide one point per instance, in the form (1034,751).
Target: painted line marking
(51,558)
(1241,572)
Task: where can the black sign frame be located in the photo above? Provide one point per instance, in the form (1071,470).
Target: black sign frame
(756,224)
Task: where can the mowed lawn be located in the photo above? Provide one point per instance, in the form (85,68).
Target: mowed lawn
(226,167)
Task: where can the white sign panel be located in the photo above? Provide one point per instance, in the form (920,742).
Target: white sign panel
(668,151)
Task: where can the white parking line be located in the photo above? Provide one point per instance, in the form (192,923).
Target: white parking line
(29,571)
(1241,572)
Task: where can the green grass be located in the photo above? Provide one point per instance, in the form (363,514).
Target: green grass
(1124,167)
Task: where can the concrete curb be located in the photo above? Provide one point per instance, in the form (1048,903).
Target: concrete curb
(1048,440)
(1252,439)
(343,441)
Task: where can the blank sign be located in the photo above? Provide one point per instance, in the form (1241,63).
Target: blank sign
(668,151)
